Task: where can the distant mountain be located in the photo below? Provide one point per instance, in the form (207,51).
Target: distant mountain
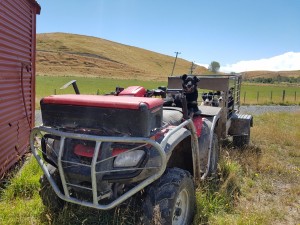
(61,54)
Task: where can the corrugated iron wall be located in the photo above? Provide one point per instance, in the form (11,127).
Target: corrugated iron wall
(17,78)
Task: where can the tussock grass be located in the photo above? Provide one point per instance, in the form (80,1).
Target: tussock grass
(217,196)
(25,183)
(19,199)
(269,187)
(259,184)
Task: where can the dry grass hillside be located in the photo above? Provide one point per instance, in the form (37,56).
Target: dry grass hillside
(270,74)
(61,54)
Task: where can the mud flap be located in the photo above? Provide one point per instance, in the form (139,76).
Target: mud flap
(203,142)
(240,125)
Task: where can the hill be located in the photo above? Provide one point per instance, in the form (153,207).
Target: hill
(270,74)
(61,54)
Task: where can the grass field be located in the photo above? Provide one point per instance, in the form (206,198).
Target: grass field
(87,85)
(256,185)
(269,94)
(47,85)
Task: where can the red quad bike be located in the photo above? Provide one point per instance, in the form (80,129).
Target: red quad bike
(98,151)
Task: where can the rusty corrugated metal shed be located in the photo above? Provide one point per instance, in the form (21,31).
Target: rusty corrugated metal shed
(17,78)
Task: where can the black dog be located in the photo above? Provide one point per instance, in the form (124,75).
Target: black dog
(189,86)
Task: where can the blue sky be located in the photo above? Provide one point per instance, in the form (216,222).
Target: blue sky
(227,31)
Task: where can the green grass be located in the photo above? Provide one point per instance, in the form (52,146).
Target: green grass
(48,85)
(269,185)
(256,185)
(217,196)
(20,202)
(261,94)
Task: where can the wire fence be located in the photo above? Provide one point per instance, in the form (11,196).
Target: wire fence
(277,97)
(258,97)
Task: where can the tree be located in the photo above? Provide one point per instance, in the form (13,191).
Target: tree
(214,66)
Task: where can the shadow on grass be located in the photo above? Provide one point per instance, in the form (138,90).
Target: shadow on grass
(128,213)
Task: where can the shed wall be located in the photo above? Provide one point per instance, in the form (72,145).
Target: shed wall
(17,78)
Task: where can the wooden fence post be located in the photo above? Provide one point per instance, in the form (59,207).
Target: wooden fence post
(271,96)
(295,95)
(283,95)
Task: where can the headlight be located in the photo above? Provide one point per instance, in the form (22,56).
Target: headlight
(129,158)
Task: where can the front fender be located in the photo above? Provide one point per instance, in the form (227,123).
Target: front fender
(175,139)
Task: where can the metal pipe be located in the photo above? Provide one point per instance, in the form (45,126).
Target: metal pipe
(60,167)
(171,132)
(195,151)
(93,172)
(98,139)
(76,88)
(215,118)
(175,62)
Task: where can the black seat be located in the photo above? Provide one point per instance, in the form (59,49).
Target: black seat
(172,115)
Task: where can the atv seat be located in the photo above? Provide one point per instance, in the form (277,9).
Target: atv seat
(172,115)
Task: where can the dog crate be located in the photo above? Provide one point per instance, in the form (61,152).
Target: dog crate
(108,115)
(17,78)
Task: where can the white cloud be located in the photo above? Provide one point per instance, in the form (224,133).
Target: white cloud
(204,65)
(285,62)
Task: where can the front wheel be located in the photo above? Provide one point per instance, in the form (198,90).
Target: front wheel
(171,199)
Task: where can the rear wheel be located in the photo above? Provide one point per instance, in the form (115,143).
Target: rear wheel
(171,199)
(48,195)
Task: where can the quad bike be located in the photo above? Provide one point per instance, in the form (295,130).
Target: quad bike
(98,151)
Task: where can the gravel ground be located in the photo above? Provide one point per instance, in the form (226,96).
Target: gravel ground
(38,117)
(252,110)
(258,109)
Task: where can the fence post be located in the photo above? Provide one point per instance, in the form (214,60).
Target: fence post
(271,96)
(257,97)
(283,95)
(295,95)
(244,96)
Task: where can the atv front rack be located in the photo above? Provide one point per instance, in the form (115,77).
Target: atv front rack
(94,203)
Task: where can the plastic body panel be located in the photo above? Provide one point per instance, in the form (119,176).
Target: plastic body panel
(113,115)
